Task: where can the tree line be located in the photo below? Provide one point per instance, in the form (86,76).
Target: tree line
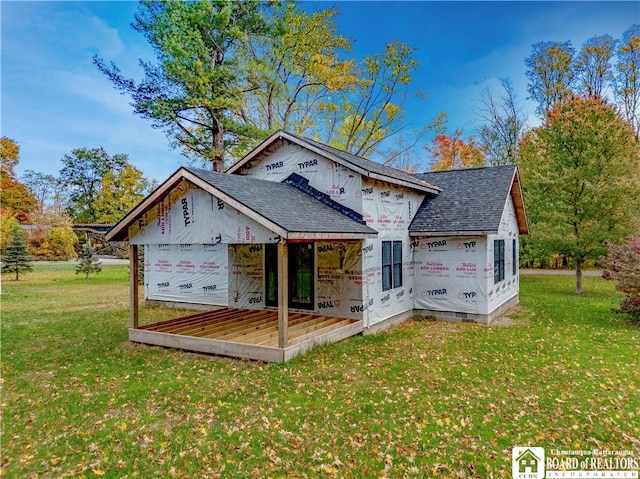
(92,187)
(604,68)
(227,74)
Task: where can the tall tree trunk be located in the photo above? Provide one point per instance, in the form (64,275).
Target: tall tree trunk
(218,163)
(218,146)
(579,276)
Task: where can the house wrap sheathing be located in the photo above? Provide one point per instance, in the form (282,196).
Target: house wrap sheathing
(371,243)
(466,244)
(456,273)
(349,276)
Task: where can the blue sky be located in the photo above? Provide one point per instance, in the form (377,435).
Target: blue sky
(54,100)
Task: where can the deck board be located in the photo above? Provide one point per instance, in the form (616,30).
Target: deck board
(253,332)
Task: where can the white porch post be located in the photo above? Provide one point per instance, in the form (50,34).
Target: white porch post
(283,294)
(133,286)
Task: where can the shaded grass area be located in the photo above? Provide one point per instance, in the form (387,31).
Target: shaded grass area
(426,399)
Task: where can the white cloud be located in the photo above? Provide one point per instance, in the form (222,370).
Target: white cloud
(105,38)
(94,87)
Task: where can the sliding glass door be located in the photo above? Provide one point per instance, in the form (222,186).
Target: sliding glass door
(301,282)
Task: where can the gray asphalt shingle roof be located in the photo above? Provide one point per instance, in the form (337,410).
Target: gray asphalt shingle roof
(371,166)
(472,200)
(362,166)
(282,204)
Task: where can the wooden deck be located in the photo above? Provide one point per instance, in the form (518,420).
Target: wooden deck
(246,333)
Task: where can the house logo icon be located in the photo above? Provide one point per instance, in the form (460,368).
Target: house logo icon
(527,462)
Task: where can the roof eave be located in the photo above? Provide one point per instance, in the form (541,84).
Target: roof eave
(518,203)
(425,188)
(319,236)
(433,233)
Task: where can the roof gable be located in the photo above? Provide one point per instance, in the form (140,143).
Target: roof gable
(282,208)
(471,202)
(364,167)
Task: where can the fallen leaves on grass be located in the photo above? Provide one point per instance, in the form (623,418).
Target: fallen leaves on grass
(425,399)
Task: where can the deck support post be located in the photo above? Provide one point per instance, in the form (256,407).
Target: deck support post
(283,294)
(133,286)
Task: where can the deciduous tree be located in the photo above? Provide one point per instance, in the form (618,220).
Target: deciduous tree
(8,224)
(593,65)
(9,157)
(16,200)
(622,264)
(362,118)
(504,124)
(42,186)
(119,192)
(452,152)
(402,153)
(579,174)
(550,73)
(627,89)
(57,242)
(296,66)
(82,174)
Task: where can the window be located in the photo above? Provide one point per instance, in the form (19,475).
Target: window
(386,265)
(498,261)
(515,258)
(397,264)
(391,264)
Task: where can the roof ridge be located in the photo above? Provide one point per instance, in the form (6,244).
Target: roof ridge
(486,167)
(363,166)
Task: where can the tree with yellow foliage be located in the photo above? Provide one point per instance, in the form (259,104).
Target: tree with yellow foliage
(16,200)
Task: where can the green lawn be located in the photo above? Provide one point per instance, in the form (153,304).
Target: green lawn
(426,399)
